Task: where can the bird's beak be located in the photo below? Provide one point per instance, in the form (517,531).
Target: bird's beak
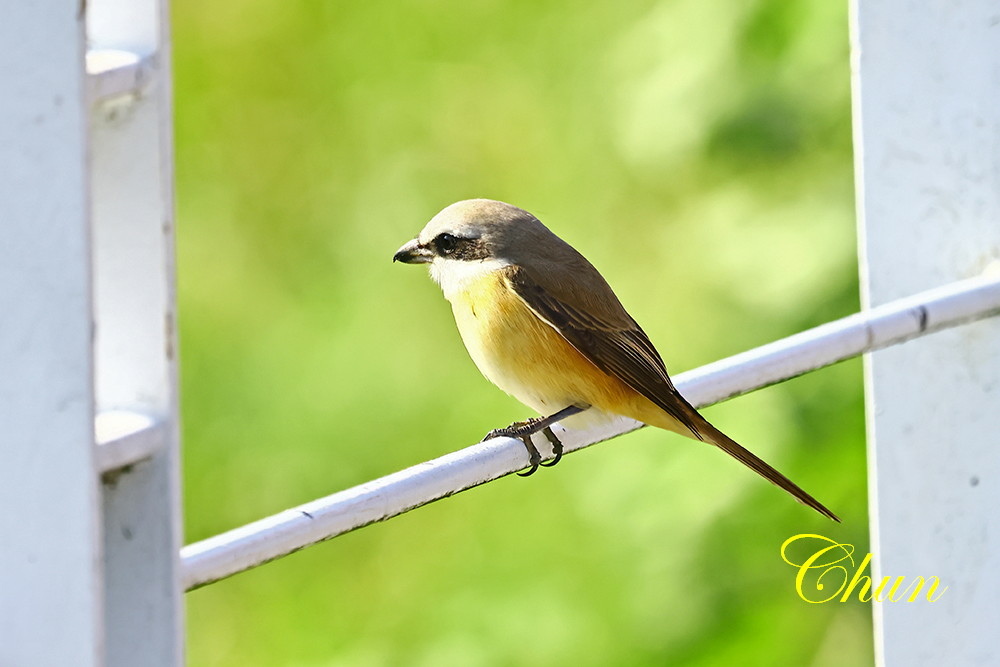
(413,253)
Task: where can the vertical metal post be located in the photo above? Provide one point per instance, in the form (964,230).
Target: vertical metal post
(50,561)
(132,162)
(927,141)
(89,489)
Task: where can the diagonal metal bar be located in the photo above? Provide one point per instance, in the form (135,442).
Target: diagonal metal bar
(284,533)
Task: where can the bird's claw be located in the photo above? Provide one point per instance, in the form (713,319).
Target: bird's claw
(557,447)
(523,431)
(534,458)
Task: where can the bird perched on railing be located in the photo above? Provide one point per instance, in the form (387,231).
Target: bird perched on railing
(542,324)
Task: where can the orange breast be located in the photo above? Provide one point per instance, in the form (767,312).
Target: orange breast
(530,360)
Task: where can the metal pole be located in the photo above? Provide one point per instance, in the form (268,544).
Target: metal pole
(927,141)
(279,535)
(51,582)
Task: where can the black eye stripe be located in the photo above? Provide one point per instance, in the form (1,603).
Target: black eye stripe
(446,243)
(459,247)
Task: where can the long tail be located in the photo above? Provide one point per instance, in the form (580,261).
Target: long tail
(711,434)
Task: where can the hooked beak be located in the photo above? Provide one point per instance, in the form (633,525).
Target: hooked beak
(413,253)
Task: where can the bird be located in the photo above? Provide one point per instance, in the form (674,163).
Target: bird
(543,325)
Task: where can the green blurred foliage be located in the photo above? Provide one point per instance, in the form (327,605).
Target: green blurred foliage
(698,152)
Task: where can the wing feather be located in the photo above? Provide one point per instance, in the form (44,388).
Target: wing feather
(613,342)
(617,346)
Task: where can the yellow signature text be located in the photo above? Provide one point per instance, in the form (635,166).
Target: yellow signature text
(831,567)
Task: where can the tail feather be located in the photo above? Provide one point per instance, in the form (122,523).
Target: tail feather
(708,432)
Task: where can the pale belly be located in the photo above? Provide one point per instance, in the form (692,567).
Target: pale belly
(529,359)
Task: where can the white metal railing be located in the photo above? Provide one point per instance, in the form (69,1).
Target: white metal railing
(87,214)
(128,101)
(279,535)
(88,384)
(926,97)
(122,437)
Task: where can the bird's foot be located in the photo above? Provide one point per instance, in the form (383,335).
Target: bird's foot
(515,430)
(523,431)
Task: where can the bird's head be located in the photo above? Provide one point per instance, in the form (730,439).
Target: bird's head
(473,237)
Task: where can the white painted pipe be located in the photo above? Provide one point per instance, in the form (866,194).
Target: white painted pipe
(281,534)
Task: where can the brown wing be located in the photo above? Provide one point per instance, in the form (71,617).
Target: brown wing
(612,341)
(603,331)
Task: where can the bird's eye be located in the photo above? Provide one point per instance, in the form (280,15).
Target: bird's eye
(445,243)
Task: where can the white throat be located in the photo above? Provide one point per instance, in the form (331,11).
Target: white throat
(455,275)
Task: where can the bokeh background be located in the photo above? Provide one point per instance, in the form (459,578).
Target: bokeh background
(697,151)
